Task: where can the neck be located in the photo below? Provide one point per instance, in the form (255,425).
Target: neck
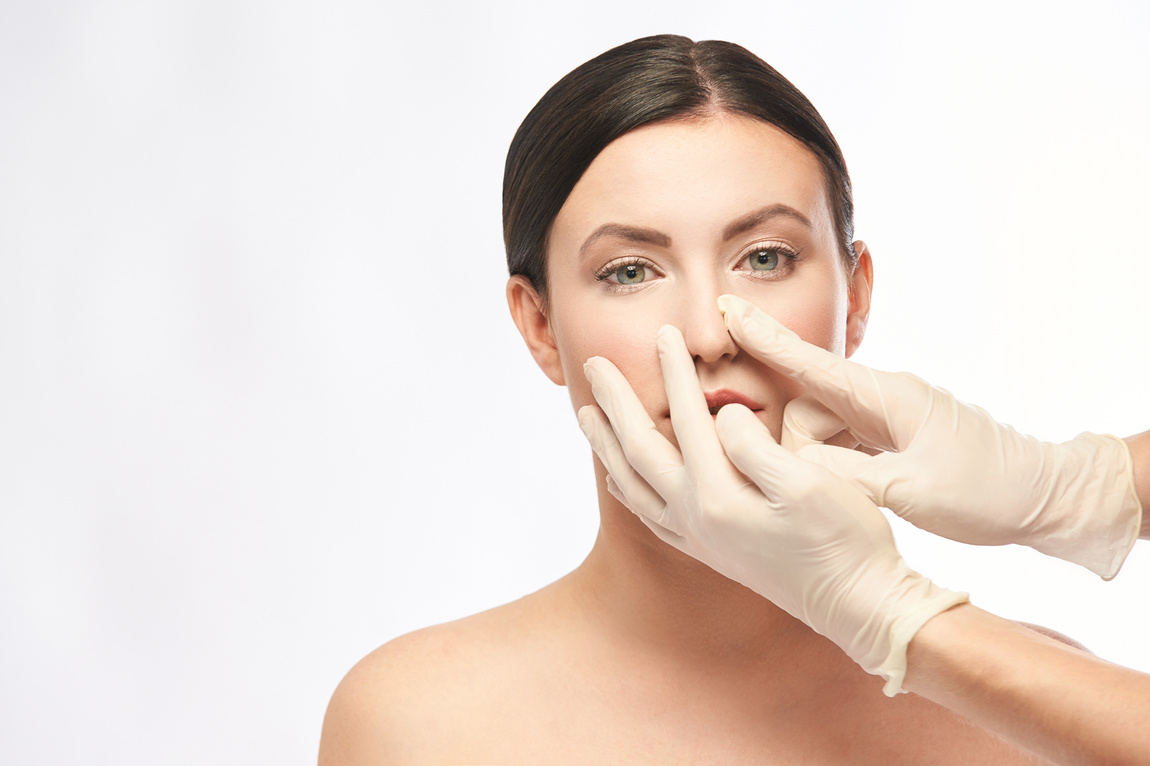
(654,596)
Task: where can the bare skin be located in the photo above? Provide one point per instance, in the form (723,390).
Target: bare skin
(640,655)
(1140,454)
(1055,699)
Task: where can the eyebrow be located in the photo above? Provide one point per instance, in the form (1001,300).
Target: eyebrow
(762,215)
(633,233)
(733,229)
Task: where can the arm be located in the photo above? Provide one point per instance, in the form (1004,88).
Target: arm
(1034,691)
(814,544)
(1076,500)
(1139,447)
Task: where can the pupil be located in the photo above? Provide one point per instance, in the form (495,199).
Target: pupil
(631,274)
(766,259)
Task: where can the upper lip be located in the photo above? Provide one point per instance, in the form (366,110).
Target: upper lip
(723,396)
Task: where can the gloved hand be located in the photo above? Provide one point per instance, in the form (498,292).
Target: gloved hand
(948,467)
(806,539)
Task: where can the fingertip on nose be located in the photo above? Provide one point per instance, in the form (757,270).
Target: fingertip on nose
(668,337)
(730,304)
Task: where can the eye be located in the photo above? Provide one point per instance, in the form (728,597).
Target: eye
(628,273)
(768,260)
(631,274)
(764,259)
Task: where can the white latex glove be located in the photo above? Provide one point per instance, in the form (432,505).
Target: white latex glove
(790,530)
(948,467)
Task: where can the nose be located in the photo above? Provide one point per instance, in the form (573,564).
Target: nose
(703,327)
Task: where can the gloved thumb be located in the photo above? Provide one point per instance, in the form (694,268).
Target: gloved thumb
(807,421)
(870,473)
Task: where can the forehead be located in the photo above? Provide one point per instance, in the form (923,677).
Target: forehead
(692,178)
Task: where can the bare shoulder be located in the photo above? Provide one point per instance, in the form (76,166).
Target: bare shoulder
(372,710)
(410,698)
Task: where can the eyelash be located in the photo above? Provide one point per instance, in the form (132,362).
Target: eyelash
(791,255)
(605,273)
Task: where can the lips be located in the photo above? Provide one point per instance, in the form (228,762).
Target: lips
(724,396)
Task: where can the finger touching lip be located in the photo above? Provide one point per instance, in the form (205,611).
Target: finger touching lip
(721,397)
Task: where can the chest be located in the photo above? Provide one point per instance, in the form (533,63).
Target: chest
(592,719)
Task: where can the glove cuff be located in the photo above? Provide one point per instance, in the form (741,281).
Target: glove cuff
(1101,517)
(879,647)
(932,601)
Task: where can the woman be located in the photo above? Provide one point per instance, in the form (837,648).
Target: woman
(645,184)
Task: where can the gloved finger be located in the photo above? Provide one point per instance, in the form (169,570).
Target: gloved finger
(823,373)
(671,538)
(646,450)
(751,448)
(884,479)
(668,536)
(615,492)
(850,390)
(690,417)
(806,420)
(638,494)
(864,471)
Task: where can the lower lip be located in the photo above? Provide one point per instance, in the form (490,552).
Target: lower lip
(716,415)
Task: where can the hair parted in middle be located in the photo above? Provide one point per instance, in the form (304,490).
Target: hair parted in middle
(652,79)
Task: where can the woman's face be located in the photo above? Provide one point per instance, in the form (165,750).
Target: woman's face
(665,220)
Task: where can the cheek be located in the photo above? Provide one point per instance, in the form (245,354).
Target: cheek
(627,341)
(817,314)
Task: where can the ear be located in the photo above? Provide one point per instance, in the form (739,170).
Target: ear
(527,310)
(861,283)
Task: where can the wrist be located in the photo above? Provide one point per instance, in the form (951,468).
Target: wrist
(908,601)
(955,652)
(1093,515)
(1139,448)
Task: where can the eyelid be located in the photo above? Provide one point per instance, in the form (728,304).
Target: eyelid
(771,244)
(790,256)
(786,249)
(608,269)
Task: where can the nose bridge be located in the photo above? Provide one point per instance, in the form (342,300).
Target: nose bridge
(701,323)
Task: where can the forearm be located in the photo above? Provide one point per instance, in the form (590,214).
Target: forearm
(1140,453)
(1032,690)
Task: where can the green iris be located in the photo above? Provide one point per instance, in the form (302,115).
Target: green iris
(631,274)
(764,260)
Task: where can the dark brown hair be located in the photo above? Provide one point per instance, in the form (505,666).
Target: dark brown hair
(665,77)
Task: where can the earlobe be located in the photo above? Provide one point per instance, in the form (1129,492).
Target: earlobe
(861,284)
(527,310)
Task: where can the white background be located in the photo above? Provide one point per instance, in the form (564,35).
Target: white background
(261,404)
